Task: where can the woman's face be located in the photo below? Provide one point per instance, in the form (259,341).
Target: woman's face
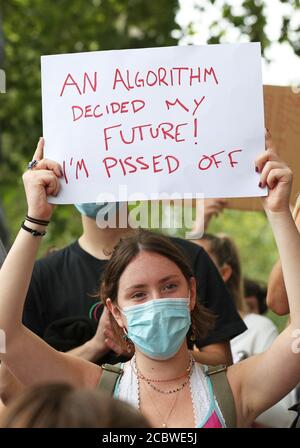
(151,276)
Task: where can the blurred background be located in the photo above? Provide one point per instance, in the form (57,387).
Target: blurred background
(31,28)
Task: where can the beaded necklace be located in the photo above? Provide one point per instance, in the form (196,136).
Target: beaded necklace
(149,381)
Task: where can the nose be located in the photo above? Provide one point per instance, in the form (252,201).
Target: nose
(156,294)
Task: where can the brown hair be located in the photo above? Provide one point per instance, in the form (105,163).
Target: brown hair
(258,290)
(63,406)
(226,252)
(126,251)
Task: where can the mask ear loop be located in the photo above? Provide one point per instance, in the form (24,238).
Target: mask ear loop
(193,335)
(128,342)
(125,337)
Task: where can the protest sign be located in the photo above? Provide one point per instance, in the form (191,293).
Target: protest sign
(133,124)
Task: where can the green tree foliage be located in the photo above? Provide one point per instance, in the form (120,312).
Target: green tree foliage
(250,20)
(37,27)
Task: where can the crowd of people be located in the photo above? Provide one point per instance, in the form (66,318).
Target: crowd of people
(130,328)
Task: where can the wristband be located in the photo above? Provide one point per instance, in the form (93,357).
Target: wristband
(41,222)
(32,231)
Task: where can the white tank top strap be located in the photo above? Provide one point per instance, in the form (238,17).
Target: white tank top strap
(127,389)
(200,393)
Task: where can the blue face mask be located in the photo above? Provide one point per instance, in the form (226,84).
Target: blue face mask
(92,210)
(158,327)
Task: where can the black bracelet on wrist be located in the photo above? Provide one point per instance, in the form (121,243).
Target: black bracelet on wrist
(41,222)
(32,231)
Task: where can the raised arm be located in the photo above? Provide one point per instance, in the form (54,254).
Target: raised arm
(29,358)
(261,381)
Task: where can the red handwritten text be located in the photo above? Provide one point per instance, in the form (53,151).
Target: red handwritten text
(165,130)
(175,76)
(170,104)
(213,161)
(70,82)
(129,165)
(74,169)
(113,108)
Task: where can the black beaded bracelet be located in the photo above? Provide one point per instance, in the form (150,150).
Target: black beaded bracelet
(32,231)
(41,222)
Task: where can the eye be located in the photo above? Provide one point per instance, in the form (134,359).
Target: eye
(170,287)
(139,295)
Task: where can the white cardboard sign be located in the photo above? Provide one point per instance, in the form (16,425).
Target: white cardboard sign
(133,124)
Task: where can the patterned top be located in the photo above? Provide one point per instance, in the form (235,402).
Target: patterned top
(207,413)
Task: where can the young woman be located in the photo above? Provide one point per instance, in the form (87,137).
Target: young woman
(169,388)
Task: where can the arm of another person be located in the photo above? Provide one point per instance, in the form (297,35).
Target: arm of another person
(214,354)
(29,358)
(277,299)
(261,381)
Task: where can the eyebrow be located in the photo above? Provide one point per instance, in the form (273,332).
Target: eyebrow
(162,280)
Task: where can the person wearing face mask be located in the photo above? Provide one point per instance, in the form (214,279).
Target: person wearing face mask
(70,277)
(150,291)
(61,298)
